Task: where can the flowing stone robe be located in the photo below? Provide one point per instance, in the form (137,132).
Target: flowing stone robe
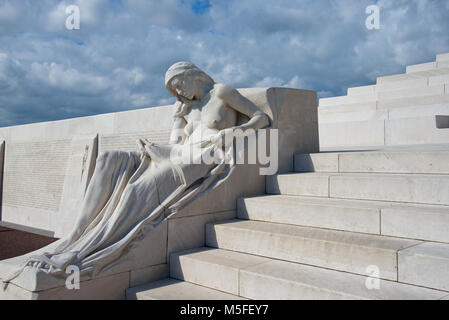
(129,194)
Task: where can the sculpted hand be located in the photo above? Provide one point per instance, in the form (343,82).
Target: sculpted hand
(223,137)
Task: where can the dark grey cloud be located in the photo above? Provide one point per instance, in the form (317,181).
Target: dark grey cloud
(117,60)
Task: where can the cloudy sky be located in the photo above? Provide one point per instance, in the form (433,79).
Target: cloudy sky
(117,59)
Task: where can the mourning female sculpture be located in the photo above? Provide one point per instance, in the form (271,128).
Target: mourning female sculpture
(131,193)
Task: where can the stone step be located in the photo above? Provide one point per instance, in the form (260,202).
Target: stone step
(396,90)
(337,214)
(409,188)
(411,76)
(363,90)
(424,102)
(442,57)
(351,107)
(416,130)
(384,114)
(412,92)
(367,115)
(443,64)
(425,265)
(398,131)
(413,221)
(338,250)
(172,289)
(267,279)
(387,161)
(421,67)
(325,102)
(191,266)
(418,111)
(353,133)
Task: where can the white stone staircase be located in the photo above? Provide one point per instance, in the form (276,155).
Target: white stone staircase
(404,109)
(322,229)
(349,223)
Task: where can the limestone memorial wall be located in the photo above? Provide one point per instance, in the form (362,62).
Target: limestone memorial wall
(44,163)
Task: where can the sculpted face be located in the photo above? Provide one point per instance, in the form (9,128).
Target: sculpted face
(184,87)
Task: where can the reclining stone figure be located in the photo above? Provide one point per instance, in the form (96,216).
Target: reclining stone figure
(132,192)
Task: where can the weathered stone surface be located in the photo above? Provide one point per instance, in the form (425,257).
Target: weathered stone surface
(216,269)
(425,188)
(422,130)
(302,184)
(366,115)
(105,288)
(338,250)
(394,162)
(280,280)
(149,274)
(442,57)
(171,289)
(317,162)
(425,265)
(190,232)
(354,133)
(417,222)
(422,67)
(79,169)
(338,214)
(415,92)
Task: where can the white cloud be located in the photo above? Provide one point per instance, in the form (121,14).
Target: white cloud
(118,58)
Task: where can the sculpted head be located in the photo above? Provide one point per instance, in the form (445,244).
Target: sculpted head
(186,81)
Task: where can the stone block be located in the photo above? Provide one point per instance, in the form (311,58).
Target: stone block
(364,90)
(402,85)
(443,64)
(171,289)
(419,111)
(425,265)
(280,280)
(190,232)
(415,92)
(105,288)
(412,188)
(422,222)
(338,214)
(367,115)
(407,131)
(394,162)
(442,57)
(149,274)
(212,268)
(350,107)
(338,250)
(304,184)
(316,162)
(423,102)
(354,133)
(325,102)
(421,67)
(79,171)
(439,80)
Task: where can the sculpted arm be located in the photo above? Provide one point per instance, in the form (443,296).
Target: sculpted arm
(257,119)
(178,135)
